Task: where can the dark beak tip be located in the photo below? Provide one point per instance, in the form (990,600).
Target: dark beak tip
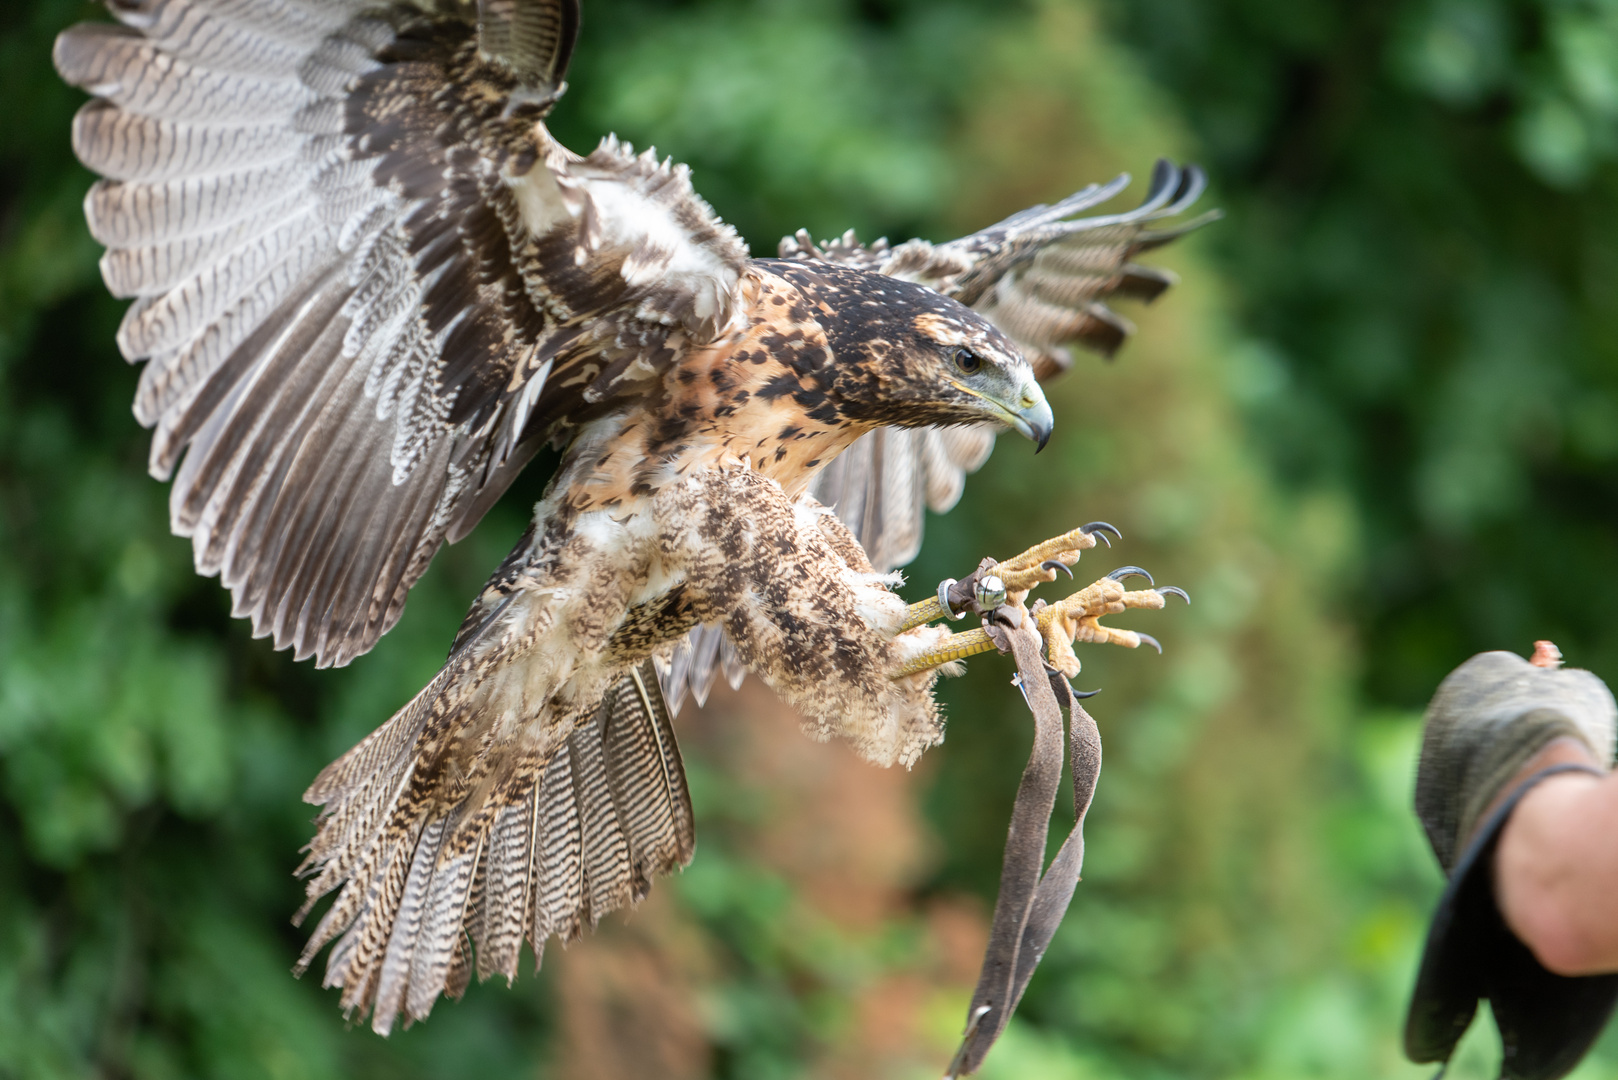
(1044,437)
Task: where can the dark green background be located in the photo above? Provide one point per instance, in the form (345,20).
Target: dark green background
(1375,430)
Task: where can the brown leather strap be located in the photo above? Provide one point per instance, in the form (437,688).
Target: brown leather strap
(1030,906)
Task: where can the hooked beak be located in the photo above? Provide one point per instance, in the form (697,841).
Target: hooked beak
(1033,416)
(1027,411)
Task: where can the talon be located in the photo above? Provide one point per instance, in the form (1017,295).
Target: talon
(1040,562)
(1166,590)
(1147,639)
(1125,572)
(1053,674)
(1101,529)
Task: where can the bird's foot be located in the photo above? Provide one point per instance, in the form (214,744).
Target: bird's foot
(1042,562)
(1077,618)
(1016,576)
(1003,587)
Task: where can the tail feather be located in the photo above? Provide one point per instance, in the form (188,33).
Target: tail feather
(438,876)
(373,755)
(355,963)
(353,854)
(471,922)
(502,902)
(355,897)
(445,916)
(606,853)
(406,927)
(644,768)
(460,969)
(351,791)
(558,858)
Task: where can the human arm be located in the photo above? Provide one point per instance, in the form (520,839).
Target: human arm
(1503,734)
(1556,867)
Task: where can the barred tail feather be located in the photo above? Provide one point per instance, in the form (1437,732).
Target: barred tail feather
(647,779)
(558,858)
(606,853)
(498,915)
(439,879)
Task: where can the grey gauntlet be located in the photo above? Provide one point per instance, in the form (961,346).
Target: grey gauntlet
(1489,719)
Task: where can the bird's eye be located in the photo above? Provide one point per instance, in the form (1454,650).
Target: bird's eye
(968,361)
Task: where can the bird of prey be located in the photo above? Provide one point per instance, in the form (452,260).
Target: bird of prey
(369,285)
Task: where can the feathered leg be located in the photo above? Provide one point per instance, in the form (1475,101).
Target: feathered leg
(804,609)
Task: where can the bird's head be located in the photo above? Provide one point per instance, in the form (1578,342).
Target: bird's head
(968,372)
(908,356)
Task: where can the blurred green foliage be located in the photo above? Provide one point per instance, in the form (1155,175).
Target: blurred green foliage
(1424,251)
(1374,430)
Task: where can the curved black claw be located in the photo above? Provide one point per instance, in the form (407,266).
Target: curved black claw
(1147,639)
(1056,564)
(1101,529)
(1057,678)
(1167,590)
(1130,571)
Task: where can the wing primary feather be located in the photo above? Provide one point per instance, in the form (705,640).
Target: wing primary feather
(1042,275)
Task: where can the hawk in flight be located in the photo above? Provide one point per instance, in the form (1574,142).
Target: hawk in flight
(368,285)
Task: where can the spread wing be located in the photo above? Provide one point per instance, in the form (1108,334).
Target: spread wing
(1044,276)
(367,284)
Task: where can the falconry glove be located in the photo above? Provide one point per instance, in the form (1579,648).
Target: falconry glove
(1487,722)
